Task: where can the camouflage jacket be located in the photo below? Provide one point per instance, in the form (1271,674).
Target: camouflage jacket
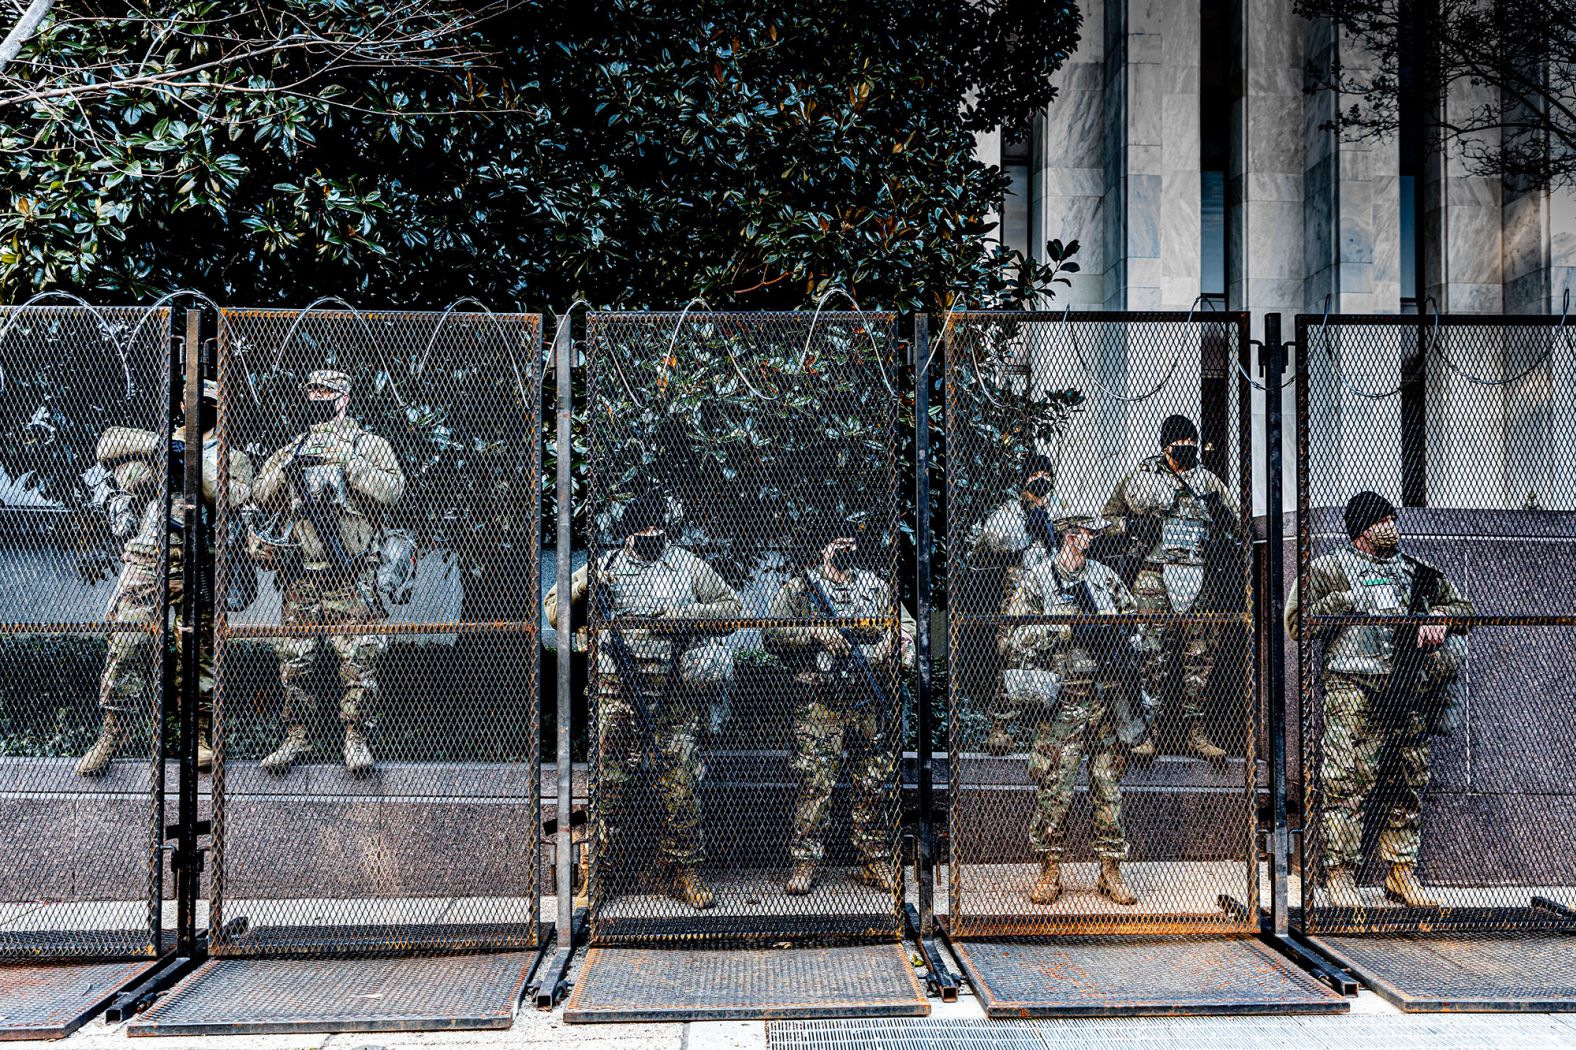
(1349,581)
(1153,489)
(359,479)
(135,506)
(810,651)
(678,585)
(1048,590)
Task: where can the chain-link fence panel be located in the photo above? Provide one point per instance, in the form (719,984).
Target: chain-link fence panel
(376,784)
(86,559)
(1101,691)
(747,641)
(1435,616)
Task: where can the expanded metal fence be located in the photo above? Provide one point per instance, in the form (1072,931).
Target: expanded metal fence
(1101,690)
(1436,622)
(747,645)
(85,547)
(377,477)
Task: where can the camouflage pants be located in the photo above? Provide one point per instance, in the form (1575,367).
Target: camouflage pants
(829,735)
(1356,736)
(675,760)
(1080,725)
(126,685)
(1198,645)
(309,602)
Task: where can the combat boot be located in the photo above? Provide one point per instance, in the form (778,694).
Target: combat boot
(358,753)
(1203,746)
(111,736)
(689,889)
(204,750)
(1000,742)
(877,874)
(1402,885)
(802,879)
(295,747)
(1146,750)
(1112,885)
(1341,889)
(1050,885)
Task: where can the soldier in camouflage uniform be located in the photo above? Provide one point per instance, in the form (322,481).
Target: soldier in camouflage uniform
(1187,501)
(649,577)
(1006,540)
(840,718)
(134,505)
(1372,576)
(1071,687)
(332,487)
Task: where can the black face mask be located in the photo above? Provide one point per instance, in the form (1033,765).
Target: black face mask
(321,411)
(208,417)
(1185,456)
(1039,526)
(842,559)
(649,546)
(1039,488)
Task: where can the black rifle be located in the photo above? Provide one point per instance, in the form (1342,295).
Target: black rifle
(1109,644)
(1407,659)
(1400,697)
(1127,552)
(856,655)
(629,675)
(1225,561)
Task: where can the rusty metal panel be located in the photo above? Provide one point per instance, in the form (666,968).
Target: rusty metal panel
(1101,695)
(52,1000)
(1438,783)
(294,996)
(745,984)
(378,608)
(1116,975)
(1428,972)
(85,424)
(747,695)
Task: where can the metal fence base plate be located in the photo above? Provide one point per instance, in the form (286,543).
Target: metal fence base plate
(1096,976)
(52,1000)
(1423,972)
(728,984)
(262,996)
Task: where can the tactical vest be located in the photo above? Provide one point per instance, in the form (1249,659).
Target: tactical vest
(645,588)
(1379,587)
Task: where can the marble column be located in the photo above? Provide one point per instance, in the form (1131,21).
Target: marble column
(1069,176)
(1265,194)
(1351,250)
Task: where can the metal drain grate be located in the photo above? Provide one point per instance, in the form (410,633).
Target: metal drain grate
(1344,1032)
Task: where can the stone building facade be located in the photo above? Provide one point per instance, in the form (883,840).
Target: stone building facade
(1185,156)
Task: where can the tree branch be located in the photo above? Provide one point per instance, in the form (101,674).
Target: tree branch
(25,27)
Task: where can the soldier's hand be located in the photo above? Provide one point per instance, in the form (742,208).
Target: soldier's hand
(834,641)
(1431,636)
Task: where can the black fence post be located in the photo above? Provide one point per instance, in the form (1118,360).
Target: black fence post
(941,981)
(549,984)
(1273,366)
(194,614)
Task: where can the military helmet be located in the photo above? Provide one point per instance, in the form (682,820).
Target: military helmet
(1080,515)
(328,379)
